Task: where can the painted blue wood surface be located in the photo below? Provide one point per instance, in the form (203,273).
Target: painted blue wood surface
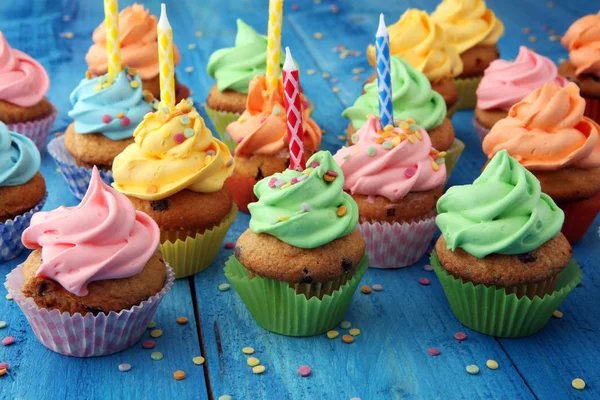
(389,359)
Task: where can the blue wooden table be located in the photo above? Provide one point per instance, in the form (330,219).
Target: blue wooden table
(389,359)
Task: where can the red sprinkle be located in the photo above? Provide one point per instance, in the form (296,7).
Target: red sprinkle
(409,172)
(106,118)
(148,344)
(295,7)
(3,365)
(272,182)
(314,164)
(304,370)
(125,121)
(7,341)
(460,336)
(294,181)
(433,351)
(424,281)
(544,28)
(332,173)
(229,245)
(263,120)
(179,138)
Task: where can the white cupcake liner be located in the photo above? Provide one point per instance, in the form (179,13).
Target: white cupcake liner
(11,231)
(90,335)
(78,178)
(37,130)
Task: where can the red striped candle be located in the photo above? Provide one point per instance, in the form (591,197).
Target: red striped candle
(293,112)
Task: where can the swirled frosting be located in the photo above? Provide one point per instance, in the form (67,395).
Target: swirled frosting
(390,163)
(422,43)
(103,237)
(113,111)
(23,80)
(262,128)
(547,131)
(19,158)
(304,209)
(504,211)
(234,67)
(583,42)
(468,23)
(505,83)
(412,97)
(139,43)
(173,151)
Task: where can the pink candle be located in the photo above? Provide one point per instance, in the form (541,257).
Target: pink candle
(293,112)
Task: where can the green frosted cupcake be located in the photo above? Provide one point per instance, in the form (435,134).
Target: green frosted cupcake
(298,266)
(501,259)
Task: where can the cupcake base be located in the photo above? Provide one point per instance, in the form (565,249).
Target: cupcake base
(220,120)
(37,130)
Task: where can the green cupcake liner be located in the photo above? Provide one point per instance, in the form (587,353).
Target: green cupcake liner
(452,156)
(220,120)
(277,307)
(450,111)
(467,99)
(491,311)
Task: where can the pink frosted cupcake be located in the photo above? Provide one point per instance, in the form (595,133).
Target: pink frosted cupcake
(396,177)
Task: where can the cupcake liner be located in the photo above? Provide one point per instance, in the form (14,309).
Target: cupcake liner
(220,120)
(78,178)
(481,130)
(190,253)
(397,245)
(579,216)
(467,99)
(87,335)
(242,191)
(11,231)
(493,312)
(451,110)
(592,108)
(452,156)
(277,307)
(37,130)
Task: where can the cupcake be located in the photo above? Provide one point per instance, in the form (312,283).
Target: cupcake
(473,30)
(24,83)
(422,44)
(549,135)
(583,67)
(95,278)
(262,140)
(173,166)
(396,177)
(105,113)
(234,68)
(505,83)
(22,189)
(502,260)
(298,265)
(139,49)
(413,100)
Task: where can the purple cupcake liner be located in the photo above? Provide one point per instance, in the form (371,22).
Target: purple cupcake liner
(86,335)
(481,130)
(78,178)
(37,130)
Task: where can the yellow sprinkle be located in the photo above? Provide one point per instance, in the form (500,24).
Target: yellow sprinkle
(526,30)
(191,46)
(156,333)
(578,383)
(259,369)
(318,35)
(189,69)
(332,334)
(533,39)
(241,120)
(310,72)
(491,364)
(557,314)
(412,139)
(287,185)
(120,114)
(253,361)
(357,70)
(342,138)
(344,54)
(336,89)
(88,75)
(307,171)
(388,128)
(418,135)
(199,34)
(404,125)
(110,80)
(248,350)
(179,375)
(396,141)
(134,84)
(283,218)
(199,360)
(106,86)
(67,35)
(8,296)
(2,371)
(435,166)
(354,331)
(341,211)
(97,87)
(410,121)
(441,154)
(182,320)
(326,75)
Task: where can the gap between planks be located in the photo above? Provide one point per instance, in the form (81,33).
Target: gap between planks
(209,390)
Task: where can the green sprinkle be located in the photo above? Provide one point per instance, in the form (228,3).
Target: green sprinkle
(225,397)
(190,102)
(184,120)
(354,138)
(472,369)
(2,324)
(387,145)
(151,324)
(276,110)
(371,151)
(156,356)
(223,287)
(198,360)
(413,127)
(345,324)
(165,110)
(156,333)
(345,156)
(188,132)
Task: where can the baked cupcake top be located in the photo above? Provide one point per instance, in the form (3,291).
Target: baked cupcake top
(19,158)
(583,42)
(173,151)
(103,237)
(547,131)
(391,162)
(305,209)
(412,97)
(422,43)
(262,128)
(503,211)
(139,43)
(110,106)
(468,23)
(23,80)
(234,67)
(505,83)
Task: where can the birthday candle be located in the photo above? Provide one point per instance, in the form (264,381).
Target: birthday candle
(165,60)
(384,77)
(274,43)
(293,112)
(111,21)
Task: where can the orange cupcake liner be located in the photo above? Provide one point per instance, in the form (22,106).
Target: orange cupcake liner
(242,191)
(579,216)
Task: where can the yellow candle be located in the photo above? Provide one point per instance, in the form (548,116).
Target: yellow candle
(165,60)
(111,20)
(274,43)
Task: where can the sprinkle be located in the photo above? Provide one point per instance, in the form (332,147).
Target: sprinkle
(124,367)
(283,218)
(279,183)
(371,151)
(305,206)
(225,397)
(315,164)
(134,84)
(326,75)
(148,344)
(223,287)
(97,88)
(182,320)
(276,110)
(387,145)
(8,296)
(2,372)
(3,365)
(365,289)
(156,333)
(151,324)
(348,339)
(199,34)
(354,138)
(125,121)
(259,369)
(472,369)
(156,356)
(88,75)
(460,336)
(345,324)
(248,350)
(295,7)
(7,341)
(358,70)
(578,383)
(318,35)
(229,245)
(435,166)
(356,78)
(491,364)
(345,156)
(106,118)
(310,72)
(189,69)
(418,135)
(526,30)
(332,334)
(341,211)
(428,267)
(557,314)
(179,138)
(424,281)
(67,35)
(377,287)
(272,182)
(533,39)
(554,38)
(354,331)
(441,154)
(432,351)
(253,361)
(342,138)
(199,360)
(179,375)
(412,139)
(336,89)
(304,370)
(328,178)
(211,153)
(184,120)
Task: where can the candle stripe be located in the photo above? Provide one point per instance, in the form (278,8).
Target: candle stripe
(111,21)
(293,112)
(165,60)
(274,43)
(384,76)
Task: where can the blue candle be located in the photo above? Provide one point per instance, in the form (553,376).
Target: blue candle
(384,76)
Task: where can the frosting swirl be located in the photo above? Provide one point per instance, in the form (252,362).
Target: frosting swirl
(262,128)
(422,43)
(504,211)
(468,23)
(583,42)
(19,158)
(172,152)
(388,163)
(235,67)
(23,80)
(505,83)
(139,43)
(547,131)
(103,237)
(301,208)
(95,108)
(412,97)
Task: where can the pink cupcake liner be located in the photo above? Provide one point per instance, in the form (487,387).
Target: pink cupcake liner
(90,335)
(37,130)
(397,245)
(481,130)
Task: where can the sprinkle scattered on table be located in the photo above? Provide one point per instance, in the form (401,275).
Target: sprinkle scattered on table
(199,34)
(191,46)
(8,296)
(526,30)
(336,89)
(124,367)
(472,369)
(365,289)
(198,360)
(342,138)
(151,324)
(424,281)
(295,7)
(223,287)
(2,372)
(259,369)
(225,397)
(354,331)
(157,356)
(253,361)
(156,333)
(179,375)
(310,71)
(491,364)
(189,69)
(248,350)
(428,267)
(2,324)
(348,339)
(377,287)
(149,344)
(7,341)
(326,75)
(229,245)
(550,4)
(345,324)
(66,18)
(182,320)
(578,383)
(318,35)
(557,314)
(3,365)
(67,35)
(356,78)
(460,336)
(432,351)
(332,334)
(304,370)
